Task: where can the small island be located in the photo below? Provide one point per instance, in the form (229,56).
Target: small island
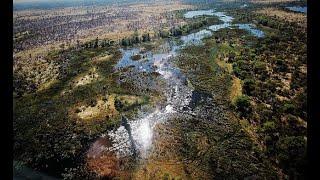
(136,57)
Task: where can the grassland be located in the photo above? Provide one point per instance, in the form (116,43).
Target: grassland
(298,18)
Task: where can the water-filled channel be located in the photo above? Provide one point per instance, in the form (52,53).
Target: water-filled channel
(301,9)
(134,136)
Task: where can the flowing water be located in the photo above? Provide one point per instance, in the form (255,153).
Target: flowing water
(134,136)
(251,29)
(302,9)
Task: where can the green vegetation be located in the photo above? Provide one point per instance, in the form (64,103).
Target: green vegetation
(243,106)
(52,130)
(194,24)
(273,80)
(216,145)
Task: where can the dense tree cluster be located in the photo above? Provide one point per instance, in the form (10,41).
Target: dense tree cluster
(135,39)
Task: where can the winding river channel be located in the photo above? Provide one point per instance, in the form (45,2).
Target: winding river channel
(135,136)
(300,9)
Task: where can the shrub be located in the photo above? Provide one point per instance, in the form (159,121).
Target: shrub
(136,57)
(166,176)
(260,67)
(292,155)
(248,86)
(288,107)
(243,105)
(301,104)
(269,127)
(118,104)
(164,34)
(281,66)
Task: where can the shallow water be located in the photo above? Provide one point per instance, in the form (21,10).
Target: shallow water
(191,14)
(223,17)
(244,6)
(302,9)
(219,26)
(126,60)
(135,136)
(251,29)
(196,38)
(177,93)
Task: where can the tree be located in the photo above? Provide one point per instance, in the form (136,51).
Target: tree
(176,31)
(96,43)
(125,42)
(145,37)
(78,43)
(135,38)
(118,105)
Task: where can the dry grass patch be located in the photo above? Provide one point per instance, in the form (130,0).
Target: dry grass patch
(141,13)
(103,162)
(106,165)
(106,107)
(299,18)
(282,98)
(47,85)
(130,100)
(102,58)
(226,66)
(88,78)
(102,108)
(236,89)
(286,81)
(153,169)
(42,50)
(251,131)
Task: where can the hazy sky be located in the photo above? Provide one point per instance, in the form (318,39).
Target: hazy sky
(19,1)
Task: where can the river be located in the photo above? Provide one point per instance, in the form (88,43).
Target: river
(135,136)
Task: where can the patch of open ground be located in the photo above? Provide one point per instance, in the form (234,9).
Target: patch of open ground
(106,106)
(87,78)
(102,107)
(102,58)
(143,17)
(236,89)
